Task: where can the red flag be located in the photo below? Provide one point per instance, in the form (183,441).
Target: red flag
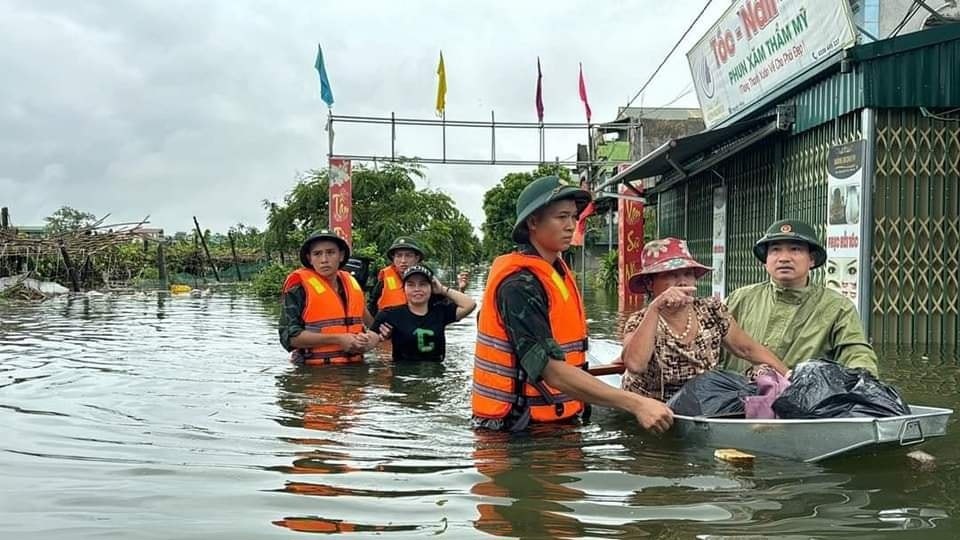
(539,91)
(583,94)
(581,231)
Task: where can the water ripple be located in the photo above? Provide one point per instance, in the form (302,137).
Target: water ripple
(154,416)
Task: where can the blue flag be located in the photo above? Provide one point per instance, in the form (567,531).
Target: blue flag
(326,94)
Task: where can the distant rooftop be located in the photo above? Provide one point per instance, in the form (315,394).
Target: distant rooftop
(660,113)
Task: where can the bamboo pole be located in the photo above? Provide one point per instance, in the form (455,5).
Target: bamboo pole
(74,281)
(203,242)
(236,260)
(196,252)
(162,266)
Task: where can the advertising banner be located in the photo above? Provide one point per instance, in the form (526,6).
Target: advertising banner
(844,228)
(759,45)
(631,244)
(719,263)
(341,199)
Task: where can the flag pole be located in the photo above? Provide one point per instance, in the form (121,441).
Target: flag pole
(543,147)
(329,134)
(443,120)
(329,163)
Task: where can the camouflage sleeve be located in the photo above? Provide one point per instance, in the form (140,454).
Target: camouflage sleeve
(851,347)
(374,297)
(291,315)
(522,303)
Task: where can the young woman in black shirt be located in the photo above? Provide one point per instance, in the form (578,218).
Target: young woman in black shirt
(416,329)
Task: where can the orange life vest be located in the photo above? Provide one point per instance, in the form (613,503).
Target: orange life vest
(392,294)
(499,384)
(325,312)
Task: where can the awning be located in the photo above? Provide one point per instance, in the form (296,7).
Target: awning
(686,156)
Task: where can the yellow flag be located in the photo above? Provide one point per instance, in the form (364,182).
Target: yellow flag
(441,87)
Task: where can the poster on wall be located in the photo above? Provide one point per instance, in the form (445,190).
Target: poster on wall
(719,275)
(844,201)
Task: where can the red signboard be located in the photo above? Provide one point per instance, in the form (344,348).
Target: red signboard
(341,199)
(630,245)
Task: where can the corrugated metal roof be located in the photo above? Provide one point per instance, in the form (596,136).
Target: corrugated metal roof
(660,113)
(927,74)
(828,99)
(680,151)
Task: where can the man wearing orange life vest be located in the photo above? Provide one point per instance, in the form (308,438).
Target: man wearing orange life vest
(530,362)
(322,320)
(388,292)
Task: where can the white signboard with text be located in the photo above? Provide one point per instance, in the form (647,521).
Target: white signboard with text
(759,45)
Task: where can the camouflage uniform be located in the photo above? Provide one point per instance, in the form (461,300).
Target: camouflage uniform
(522,303)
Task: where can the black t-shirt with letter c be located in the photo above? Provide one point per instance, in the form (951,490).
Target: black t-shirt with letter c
(418,337)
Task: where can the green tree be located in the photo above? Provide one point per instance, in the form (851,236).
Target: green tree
(246,237)
(386,204)
(68,219)
(500,207)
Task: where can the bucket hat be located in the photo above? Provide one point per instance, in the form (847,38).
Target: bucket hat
(664,255)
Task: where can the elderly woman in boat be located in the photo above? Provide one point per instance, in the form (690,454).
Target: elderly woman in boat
(678,336)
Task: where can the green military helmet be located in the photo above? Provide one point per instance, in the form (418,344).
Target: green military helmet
(540,193)
(323,234)
(791,230)
(405,242)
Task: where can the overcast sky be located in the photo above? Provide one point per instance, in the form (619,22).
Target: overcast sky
(179,108)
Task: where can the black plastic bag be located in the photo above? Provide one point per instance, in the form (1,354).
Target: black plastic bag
(714,393)
(825,389)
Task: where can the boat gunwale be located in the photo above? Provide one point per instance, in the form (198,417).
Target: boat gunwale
(929,411)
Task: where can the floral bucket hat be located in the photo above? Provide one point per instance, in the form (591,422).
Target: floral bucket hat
(664,255)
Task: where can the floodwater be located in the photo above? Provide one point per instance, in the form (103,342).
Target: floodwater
(139,416)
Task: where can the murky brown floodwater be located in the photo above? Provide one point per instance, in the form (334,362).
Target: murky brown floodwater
(145,416)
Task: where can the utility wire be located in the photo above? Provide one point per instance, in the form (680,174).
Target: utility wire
(683,93)
(911,11)
(669,54)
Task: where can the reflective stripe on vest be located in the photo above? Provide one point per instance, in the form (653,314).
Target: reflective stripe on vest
(325,312)
(392,294)
(499,384)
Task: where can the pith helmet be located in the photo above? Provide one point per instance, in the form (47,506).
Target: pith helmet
(323,234)
(539,194)
(404,242)
(791,230)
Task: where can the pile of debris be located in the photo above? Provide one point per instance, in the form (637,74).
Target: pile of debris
(23,287)
(73,248)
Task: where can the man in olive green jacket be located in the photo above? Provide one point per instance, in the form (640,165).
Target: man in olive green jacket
(793,318)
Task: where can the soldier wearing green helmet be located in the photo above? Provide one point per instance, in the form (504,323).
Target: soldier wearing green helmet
(404,253)
(531,346)
(323,314)
(795,319)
